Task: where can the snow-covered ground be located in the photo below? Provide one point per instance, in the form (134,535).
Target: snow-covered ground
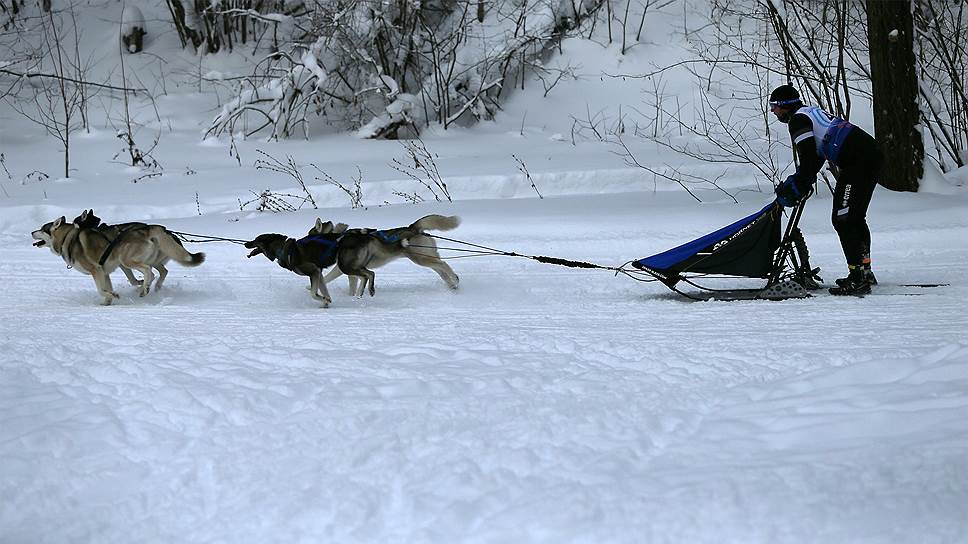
(536,404)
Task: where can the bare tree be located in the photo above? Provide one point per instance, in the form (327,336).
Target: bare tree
(58,106)
(941,33)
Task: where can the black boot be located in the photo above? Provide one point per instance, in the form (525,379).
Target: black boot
(857,283)
(868,275)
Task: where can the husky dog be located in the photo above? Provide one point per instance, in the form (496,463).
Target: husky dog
(307,256)
(384,246)
(93,251)
(87,220)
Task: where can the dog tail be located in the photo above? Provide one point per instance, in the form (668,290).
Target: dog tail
(435,222)
(173,249)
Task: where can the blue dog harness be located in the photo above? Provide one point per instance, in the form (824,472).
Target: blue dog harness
(331,245)
(386,237)
(324,259)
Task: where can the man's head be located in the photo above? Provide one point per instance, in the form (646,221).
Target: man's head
(784,100)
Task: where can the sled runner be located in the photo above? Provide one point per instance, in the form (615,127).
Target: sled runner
(753,247)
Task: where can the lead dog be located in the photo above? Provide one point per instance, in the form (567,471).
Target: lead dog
(387,245)
(93,251)
(87,220)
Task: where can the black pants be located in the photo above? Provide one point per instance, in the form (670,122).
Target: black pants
(860,165)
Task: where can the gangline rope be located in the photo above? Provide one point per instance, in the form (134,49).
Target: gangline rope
(202,238)
(479,251)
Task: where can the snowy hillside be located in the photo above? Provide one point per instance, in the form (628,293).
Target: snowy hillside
(536,403)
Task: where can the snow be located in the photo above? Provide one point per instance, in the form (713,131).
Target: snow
(535,404)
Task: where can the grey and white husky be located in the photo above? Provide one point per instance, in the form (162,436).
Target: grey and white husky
(383,246)
(87,220)
(97,251)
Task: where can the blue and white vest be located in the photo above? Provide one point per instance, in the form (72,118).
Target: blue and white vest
(829,132)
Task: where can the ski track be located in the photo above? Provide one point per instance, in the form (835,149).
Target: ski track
(536,404)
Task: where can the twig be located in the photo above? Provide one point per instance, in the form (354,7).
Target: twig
(72,80)
(524,170)
(149,175)
(290,169)
(356,195)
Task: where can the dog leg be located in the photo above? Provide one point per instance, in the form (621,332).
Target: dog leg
(162,274)
(131,279)
(148,276)
(447,274)
(356,275)
(368,277)
(103,283)
(431,259)
(327,300)
(354,283)
(317,287)
(334,273)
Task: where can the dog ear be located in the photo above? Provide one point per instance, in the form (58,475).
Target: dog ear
(319,223)
(58,222)
(340,227)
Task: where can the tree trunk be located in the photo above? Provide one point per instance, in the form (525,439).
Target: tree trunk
(890,35)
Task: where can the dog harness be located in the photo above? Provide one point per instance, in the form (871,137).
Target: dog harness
(386,237)
(324,259)
(66,249)
(284,252)
(113,243)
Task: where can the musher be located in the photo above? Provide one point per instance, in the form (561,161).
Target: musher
(818,136)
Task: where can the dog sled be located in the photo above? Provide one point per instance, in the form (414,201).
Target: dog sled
(753,247)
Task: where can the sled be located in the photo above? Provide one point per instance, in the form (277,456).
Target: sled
(753,247)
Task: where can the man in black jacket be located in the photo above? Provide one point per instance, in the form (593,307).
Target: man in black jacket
(817,137)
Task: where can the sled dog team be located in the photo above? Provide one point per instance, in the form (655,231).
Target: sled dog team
(95,248)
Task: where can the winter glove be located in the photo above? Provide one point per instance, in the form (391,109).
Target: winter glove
(791,191)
